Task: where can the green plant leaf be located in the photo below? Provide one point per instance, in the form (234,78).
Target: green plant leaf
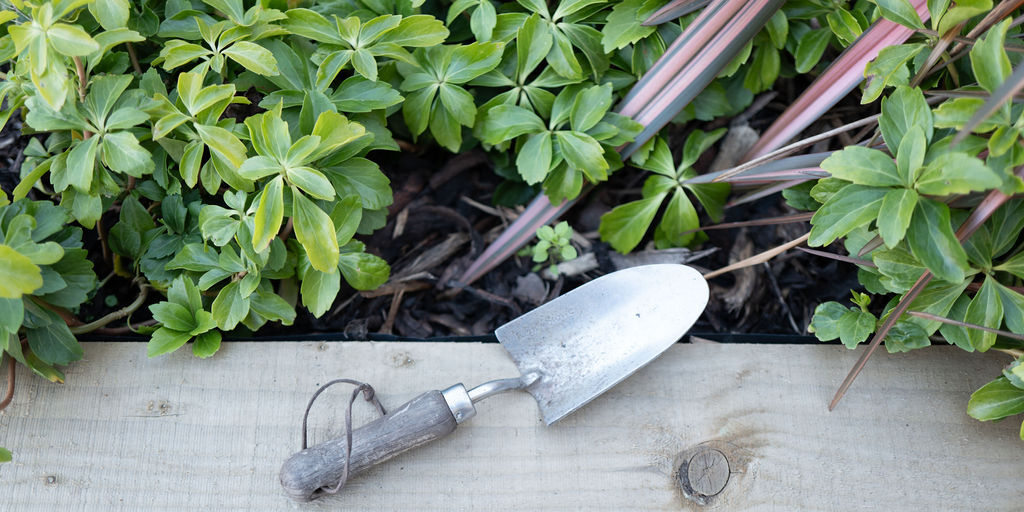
(173,316)
(252,57)
(111,14)
(825,321)
(269,214)
(223,143)
(122,153)
(956,113)
(445,128)
(956,173)
(312,25)
(937,298)
(361,177)
(312,182)
(905,336)
(1013,265)
(5,455)
(625,225)
(533,42)
(19,276)
(206,344)
(955,334)
(315,231)
(12,313)
(989,62)
(863,166)
(164,341)
(71,40)
(910,156)
(472,60)
(363,271)
(810,48)
(679,216)
(50,339)
(986,310)
(271,306)
(581,151)
(364,64)
(895,214)
(904,108)
(458,102)
(855,326)
(505,122)
(419,31)
(849,208)
(932,241)
(844,25)
(901,12)
(624,24)
(1013,307)
(534,158)
(995,400)
(889,69)
(80,164)
(416,109)
(590,106)
(256,167)
(562,59)
(230,307)
(319,290)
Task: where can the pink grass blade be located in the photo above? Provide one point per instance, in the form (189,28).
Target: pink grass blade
(767,221)
(690,43)
(764,192)
(793,167)
(667,101)
(519,233)
(835,83)
(838,257)
(674,9)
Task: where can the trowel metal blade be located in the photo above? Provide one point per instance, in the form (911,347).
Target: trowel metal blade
(590,339)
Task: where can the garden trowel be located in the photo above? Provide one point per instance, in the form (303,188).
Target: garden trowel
(568,352)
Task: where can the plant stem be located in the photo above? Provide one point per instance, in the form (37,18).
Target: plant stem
(1017,353)
(9,395)
(101,232)
(134,58)
(950,321)
(286,231)
(970,41)
(760,257)
(796,146)
(83,82)
(116,315)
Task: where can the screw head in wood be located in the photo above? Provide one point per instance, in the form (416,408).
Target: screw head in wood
(708,472)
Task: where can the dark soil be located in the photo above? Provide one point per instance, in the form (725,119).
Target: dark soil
(443,218)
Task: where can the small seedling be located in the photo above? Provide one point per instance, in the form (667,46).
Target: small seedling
(553,247)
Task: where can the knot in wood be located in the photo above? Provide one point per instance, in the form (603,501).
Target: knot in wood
(704,475)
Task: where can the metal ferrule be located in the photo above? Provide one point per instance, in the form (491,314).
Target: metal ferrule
(459,402)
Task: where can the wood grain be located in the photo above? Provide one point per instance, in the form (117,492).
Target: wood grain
(177,433)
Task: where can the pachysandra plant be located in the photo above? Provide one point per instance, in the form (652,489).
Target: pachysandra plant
(625,225)
(899,209)
(577,142)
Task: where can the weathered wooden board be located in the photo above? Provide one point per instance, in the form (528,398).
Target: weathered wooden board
(177,433)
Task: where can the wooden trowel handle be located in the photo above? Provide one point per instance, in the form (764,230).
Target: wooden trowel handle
(423,419)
